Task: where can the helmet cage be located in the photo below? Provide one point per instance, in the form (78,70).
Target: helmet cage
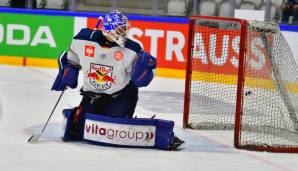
(116,27)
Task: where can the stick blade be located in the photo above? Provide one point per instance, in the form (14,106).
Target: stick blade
(33,138)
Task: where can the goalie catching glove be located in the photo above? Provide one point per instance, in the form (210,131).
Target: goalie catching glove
(142,69)
(67,76)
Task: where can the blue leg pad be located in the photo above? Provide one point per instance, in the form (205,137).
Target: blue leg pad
(73,131)
(125,132)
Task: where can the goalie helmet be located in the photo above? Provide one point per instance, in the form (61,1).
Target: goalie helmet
(116,26)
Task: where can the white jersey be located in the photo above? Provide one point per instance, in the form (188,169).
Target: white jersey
(106,66)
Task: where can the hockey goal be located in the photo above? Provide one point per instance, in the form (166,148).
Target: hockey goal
(242,75)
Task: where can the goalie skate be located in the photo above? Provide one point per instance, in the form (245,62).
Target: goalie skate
(177,142)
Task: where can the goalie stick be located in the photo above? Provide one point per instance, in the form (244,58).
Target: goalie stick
(35,137)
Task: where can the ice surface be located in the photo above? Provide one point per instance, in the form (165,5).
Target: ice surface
(26,102)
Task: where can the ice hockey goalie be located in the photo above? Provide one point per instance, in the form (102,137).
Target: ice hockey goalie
(113,67)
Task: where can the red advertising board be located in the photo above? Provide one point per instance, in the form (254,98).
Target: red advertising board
(217,50)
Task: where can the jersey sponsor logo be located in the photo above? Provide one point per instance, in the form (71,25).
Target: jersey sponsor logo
(120,134)
(118,55)
(101,76)
(89,50)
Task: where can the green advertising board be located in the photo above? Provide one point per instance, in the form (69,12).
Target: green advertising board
(34,36)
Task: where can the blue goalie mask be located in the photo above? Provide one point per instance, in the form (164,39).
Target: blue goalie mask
(116,26)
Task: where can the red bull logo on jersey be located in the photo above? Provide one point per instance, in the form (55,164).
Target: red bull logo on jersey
(101,76)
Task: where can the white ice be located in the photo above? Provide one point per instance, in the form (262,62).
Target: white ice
(26,102)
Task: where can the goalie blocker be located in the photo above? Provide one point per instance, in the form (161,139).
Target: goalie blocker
(124,132)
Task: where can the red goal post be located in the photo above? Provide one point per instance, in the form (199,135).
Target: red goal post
(242,75)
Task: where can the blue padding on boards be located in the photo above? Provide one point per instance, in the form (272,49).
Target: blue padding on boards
(123,132)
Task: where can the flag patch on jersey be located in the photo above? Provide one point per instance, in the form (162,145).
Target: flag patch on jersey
(101,76)
(89,50)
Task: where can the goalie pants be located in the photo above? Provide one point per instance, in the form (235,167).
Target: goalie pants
(120,104)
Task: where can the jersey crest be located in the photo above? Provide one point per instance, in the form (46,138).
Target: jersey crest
(89,50)
(118,55)
(101,76)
